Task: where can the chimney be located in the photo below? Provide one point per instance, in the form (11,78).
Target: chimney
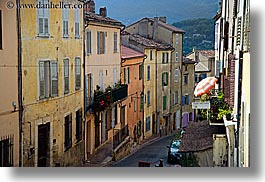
(155,28)
(90,6)
(103,11)
(163,19)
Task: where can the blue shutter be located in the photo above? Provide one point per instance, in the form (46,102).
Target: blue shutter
(183,100)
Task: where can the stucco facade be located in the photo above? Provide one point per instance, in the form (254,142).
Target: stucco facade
(131,67)
(51,112)
(9,116)
(102,70)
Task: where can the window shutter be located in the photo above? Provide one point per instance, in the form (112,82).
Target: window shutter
(115,76)
(115,42)
(124,75)
(41,23)
(77,73)
(163,75)
(47,79)
(66,76)
(183,100)
(128,74)
(98,42)
(188,102)
(89,50)
(70,130)
(41,80)
(167,78)
(101,79)
(77,20)
(46,18)
(54,78)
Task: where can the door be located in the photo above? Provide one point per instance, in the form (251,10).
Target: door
(43,145)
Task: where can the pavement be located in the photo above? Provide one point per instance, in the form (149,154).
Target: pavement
(102,157)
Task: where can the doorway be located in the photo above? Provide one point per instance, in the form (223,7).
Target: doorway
(44,145)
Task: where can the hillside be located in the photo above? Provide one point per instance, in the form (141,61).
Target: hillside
(129,11)
(199,33)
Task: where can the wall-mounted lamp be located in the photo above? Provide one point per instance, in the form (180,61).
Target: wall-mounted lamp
(14,104)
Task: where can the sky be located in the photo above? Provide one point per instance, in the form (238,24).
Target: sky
(129,11)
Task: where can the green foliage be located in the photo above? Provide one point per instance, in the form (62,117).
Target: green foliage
(219,107)
(199,34)
(189,160)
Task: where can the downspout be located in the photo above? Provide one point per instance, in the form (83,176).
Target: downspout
(180,69)
(20,100)
(143,96)
(157,113)
(170,88)
(84,82)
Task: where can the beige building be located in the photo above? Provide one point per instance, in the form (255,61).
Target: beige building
(52,90)
(156,81)
(159,30)
(106,116)
(9,102)
(205,63)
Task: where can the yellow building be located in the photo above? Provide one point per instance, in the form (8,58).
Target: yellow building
(156,82)
(159,30)
(52,90)
(9,107)
(105,115)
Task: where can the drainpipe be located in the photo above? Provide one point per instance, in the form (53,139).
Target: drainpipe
(170,88)
(20,100)
(157,113)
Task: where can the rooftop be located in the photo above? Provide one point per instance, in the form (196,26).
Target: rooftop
(149,43)
(92,17)
(127,53)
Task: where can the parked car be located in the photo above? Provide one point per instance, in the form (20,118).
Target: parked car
(174,155)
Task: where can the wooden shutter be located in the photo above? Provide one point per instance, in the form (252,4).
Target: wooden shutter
(115,76)
(77,20)
(128,74)
(65,22)
(115,42)
(54,78)
(88,38)
(66,76)
(40,12)
(41,80)
(163,83)
(46,18)
(98,42)
(47,79)
(77,73)
(183,100)
(101,79)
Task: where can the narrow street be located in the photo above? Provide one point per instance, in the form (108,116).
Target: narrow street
(150,153)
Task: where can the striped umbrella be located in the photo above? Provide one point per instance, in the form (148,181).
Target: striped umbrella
(204,86)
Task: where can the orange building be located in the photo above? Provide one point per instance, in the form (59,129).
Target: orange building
(132,74)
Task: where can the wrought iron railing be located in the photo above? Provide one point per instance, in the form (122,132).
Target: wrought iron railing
(120,136)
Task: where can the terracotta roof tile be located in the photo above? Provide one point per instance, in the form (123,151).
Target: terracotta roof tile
(149,42)
(207,53)
(100,19)
(168,26)
(198,136)
(127,53)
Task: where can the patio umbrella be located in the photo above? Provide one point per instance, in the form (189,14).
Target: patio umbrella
(204,86)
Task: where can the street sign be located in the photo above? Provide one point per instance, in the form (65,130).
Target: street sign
(201,105)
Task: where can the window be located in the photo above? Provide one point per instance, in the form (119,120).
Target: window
(128,75)
(177,56)
(89,88)
(48,79)
(165,102)
(177,39)
(68,132)
(78,117)
(101,79)
(115,73)
(1,35)
(185,79)
(148,98)
(216,36)
(115,42)
(165,79)
(185,100)
(65,12)
(176,76)
(175,97)
(66,75)
(165,57)
(151,55)
(134,105)
(147,127)
(88,42)
(141,71)
(77,73)
(77,23)
(218,68)
(6,151)
(202,76)
(148,72)
(101,42)
(43,19)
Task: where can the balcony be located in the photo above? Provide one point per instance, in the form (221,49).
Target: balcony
(103,100)
(120,136)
